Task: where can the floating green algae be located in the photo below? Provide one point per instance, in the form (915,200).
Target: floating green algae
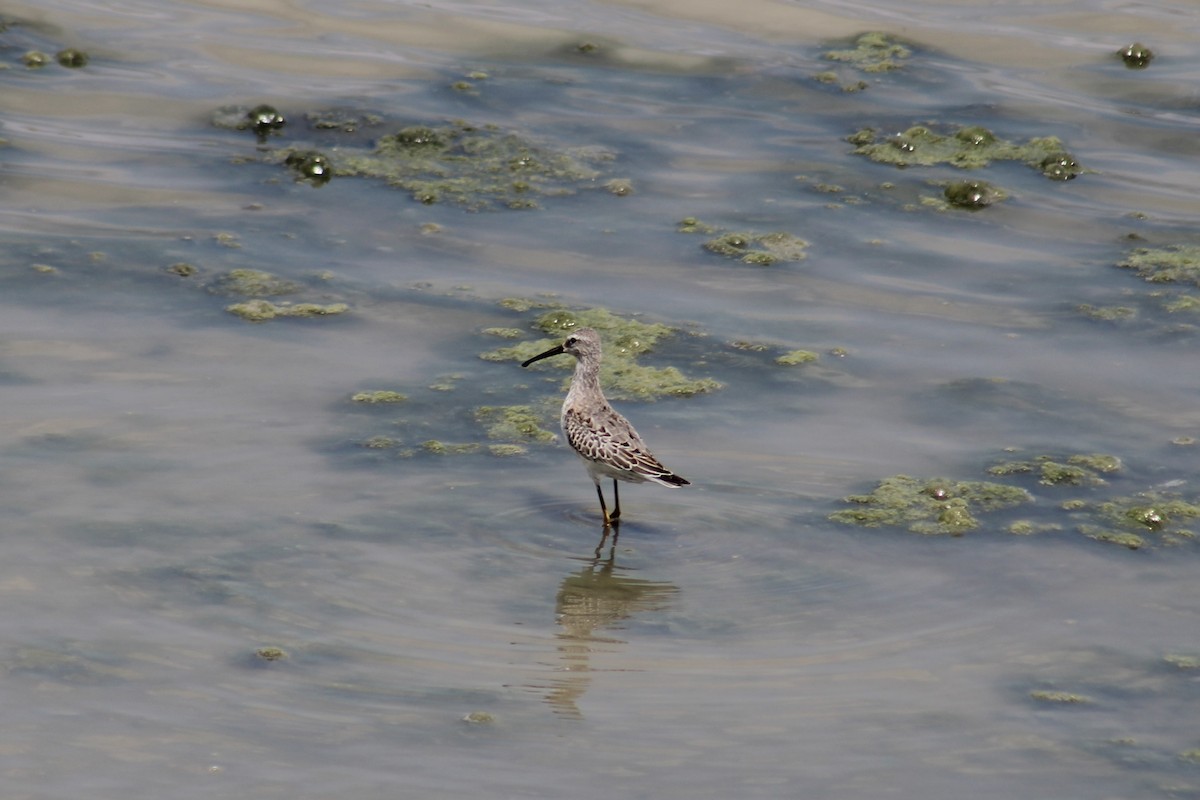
(1106,313)
(310,165)
(760,249)
(942,505)
(969,147)
(1075,470)
(378,396)
(518,423)
(1130,521)
(264,310)
(693,225)
(874,51)
(263,119)
(35,59)
(507,450)
(1181,661)
(252,283)
(439,448)
(1172,264)
(271,653)
(476,167)
(72,58)
(973,195)
(1059,697)
(504,333)
(1136,55)
(929,506)
(624,340)
(795,358)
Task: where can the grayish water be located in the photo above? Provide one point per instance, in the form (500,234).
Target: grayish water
(184,488)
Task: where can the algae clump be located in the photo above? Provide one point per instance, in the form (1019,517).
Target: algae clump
(1136,55)
(967,148)
(760,249)
(1051,696)
(1173,264)
(378,396)
(1129,520)
(931,506)
(474,167)
(872,52)
(1075,470)
(443,448)
(795,358)
(973,195)
(513,423)
(264,310)
(252,283)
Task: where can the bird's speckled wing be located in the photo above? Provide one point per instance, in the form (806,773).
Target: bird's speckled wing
(605,437)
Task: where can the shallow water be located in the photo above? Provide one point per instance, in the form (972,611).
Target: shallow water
(186,488)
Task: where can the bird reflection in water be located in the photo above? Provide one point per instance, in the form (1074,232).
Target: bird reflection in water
(599,597)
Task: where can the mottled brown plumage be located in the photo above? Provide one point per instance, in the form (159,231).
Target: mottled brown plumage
(605,440)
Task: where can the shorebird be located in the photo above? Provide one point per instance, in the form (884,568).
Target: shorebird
(607,443)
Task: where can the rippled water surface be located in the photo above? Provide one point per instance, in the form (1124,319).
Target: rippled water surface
(223,575)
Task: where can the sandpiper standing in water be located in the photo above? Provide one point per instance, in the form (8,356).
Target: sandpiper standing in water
(607,443)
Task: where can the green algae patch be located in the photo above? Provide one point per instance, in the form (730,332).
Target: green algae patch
(380,443)
(517,423)
(473,167)
(270,653)
(795,358)
(1106,313)
(945,506)
(503,333)
(439,448)
(523,304)
(264,310)
(973,195)
(1075,470)
(252,283)
(872,52)
(384,396)
(694,225)
(263,119)
(1131,521)
(1181,661)
(929,506)
(1136,55)
(71,58)
(1026,527)
(1172,264)
(507,450)
(759,249)
(969,147)
(1059,698)
(310,165)
(624,340)
(35,59)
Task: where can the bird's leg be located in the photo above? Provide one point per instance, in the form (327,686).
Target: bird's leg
(616,515)
(603,507)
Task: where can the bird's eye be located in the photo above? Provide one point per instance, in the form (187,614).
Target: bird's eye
(571,341)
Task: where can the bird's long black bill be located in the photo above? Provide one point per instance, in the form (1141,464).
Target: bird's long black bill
(553,351)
